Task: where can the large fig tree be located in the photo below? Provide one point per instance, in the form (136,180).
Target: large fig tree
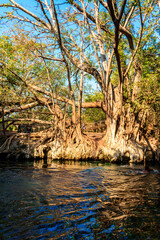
(100,41)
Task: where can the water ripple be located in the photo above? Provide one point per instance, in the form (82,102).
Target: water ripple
(78,201)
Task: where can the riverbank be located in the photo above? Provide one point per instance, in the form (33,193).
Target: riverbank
(91,146)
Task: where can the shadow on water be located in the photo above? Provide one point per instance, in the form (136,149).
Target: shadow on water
(78,200)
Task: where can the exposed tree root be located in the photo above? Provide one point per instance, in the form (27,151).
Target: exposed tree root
(54,144)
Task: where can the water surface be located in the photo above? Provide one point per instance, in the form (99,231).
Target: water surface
(78,200)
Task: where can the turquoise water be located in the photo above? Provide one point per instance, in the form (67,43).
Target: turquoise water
(78,200)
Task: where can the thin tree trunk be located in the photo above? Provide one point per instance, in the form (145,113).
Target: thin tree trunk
(3,122)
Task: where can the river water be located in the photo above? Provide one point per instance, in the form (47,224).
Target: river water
(78,200)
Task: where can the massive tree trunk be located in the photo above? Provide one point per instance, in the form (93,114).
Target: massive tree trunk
(65,139)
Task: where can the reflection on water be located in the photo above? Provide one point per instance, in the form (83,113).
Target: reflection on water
(74,200)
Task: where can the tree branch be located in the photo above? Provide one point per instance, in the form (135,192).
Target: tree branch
(28,120)
(122,10)
(89,16)
(30,14)
(19,109)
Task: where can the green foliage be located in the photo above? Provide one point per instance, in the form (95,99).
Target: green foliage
(94,97)
(20,53)
(94,115)
(150,84)
(70,1)
(149,94)
(18,62)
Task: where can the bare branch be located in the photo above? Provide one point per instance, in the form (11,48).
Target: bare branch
(13,120)
(42,8)
(51,58)
(22,107)
(122,10)
(89,16)
(112,13)
(30,14)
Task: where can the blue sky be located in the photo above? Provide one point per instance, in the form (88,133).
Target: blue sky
(4,27)
(29,4)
